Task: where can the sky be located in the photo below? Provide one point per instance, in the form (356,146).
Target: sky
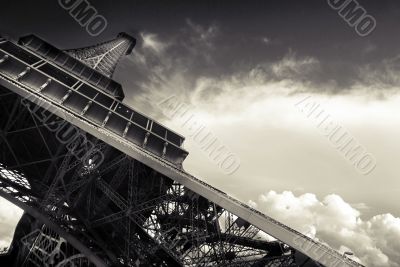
(250,73)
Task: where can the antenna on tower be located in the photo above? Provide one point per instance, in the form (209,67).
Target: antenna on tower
(104,57)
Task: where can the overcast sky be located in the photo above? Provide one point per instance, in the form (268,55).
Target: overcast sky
(241,68)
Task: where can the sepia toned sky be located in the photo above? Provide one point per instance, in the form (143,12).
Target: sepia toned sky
(241,68)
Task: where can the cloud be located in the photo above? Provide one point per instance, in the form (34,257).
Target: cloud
(151,41)
(369,48)
(248,102)
(177,68)
(384,74)
(290,67)
(165,65)
(375,241)
(196,56)
(184,64)
(204,36)
(254,103)
(9,217)
(266,40)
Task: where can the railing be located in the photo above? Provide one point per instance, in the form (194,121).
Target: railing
(181,173)
(114,115)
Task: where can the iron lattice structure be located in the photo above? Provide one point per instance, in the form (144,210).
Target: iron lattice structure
(104,57)
(102,184)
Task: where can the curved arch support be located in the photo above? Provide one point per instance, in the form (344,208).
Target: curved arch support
(68,237)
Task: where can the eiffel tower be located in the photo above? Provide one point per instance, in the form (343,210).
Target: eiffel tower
(102,184)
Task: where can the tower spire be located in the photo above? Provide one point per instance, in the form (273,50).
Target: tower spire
(104,57)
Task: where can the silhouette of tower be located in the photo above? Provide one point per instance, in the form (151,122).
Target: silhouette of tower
(102,184)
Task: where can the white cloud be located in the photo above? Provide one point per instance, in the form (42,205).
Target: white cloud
(375,241)
(290,66)
(266,40)
(151,41)
(251,110)
(255,104)
(9,216)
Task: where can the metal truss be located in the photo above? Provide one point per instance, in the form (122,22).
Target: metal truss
(134,209)
(129,213)
(104,57)
(47,248)
(153,217)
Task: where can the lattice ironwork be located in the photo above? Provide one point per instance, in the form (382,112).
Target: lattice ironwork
(119,198)
(104,57)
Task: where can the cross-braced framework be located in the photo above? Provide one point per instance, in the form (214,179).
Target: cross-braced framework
(104,57)
(47,248)
(147,217)
(103,185)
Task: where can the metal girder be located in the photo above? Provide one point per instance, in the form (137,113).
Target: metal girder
(104,57)
(140,200)
(56,228)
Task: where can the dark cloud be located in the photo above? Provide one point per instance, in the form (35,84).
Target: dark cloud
(178,63)
(229,57)
(217,38)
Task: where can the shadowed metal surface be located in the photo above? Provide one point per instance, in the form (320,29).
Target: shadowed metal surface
(138,207)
